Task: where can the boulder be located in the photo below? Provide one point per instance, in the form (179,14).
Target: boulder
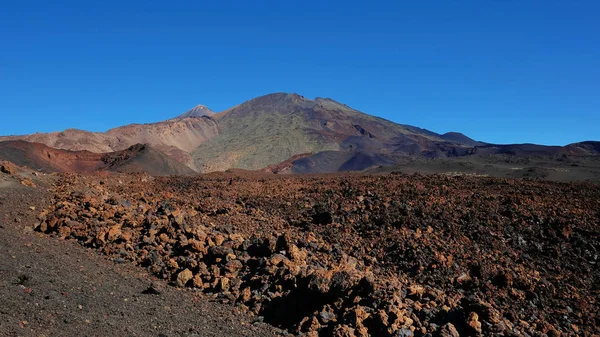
(183,277)
(8,167)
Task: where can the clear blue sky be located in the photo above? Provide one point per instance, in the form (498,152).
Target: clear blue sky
(504,71)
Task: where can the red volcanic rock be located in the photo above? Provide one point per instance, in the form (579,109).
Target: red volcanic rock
(8,167)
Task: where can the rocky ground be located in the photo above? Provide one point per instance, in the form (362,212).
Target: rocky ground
(51,287)
(352,255)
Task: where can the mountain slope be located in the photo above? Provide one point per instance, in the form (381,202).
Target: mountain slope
(270,129)
(137,158)
(175,137)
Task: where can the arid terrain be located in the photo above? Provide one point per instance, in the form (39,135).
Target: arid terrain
(316,255)
(300,169)
(288,215)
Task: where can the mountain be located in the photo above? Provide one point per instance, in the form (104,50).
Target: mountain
(284,133)
(176,137)
(197,111)
(266,131)
(588,148)
(136,158)
(270,129)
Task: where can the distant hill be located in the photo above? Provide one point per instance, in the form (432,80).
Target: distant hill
(175,137)
(144,158)
(588,148)
(137,158)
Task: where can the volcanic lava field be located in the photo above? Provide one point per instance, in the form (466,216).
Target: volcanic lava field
(352,254)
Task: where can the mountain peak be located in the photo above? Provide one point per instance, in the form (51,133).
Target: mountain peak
(278,97)
(200,106)
(197,111)
(281,97)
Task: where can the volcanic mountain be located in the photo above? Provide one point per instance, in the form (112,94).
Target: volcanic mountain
(271,129)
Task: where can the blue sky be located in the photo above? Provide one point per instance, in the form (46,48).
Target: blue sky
(504,71)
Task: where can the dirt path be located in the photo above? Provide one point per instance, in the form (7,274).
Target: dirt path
(50,287)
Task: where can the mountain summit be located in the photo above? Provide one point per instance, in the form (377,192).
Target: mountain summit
(197,111)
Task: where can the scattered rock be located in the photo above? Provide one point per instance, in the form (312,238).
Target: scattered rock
(344,331)
(404,332)
(183,277)
(8,167)
(448,330)
(28,182)
(473,323)
(151,290)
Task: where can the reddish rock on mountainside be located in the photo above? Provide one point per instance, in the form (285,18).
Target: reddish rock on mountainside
(137,158)
(176,137)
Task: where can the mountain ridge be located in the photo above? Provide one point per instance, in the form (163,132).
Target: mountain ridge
(287,132)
